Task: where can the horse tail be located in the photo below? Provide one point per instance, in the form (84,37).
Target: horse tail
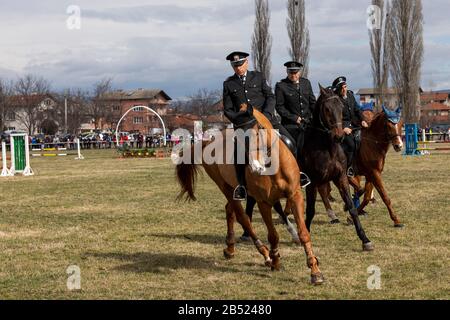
(187,177)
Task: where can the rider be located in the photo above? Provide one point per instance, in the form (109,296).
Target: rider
(295,102)
(351,118)
(248,87)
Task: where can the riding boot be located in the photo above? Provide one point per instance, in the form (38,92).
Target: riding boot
(240,193)
(350,168)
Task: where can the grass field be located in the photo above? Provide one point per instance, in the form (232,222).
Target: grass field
(117,219)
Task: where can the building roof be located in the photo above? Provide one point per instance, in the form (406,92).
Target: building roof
(435,106)
(433,96)
(447,91)
(18,100)
(139,94)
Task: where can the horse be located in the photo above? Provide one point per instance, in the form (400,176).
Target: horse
(384,130)
(265,189)
(323,159)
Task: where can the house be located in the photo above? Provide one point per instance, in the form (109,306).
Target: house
(435,109)
(45,114)
(140,119)
(368,95)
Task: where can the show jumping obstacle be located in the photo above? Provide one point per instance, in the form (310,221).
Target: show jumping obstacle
(20,156)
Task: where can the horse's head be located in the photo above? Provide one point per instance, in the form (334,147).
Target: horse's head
(261,135)
(328,113)
(394,128)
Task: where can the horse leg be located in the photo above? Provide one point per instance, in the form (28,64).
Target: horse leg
(378,183)
(245,222)
(305,238)
(266,213)
(324,194)
(344,190)
(311,194)
(251,202)
(229,251)
(367,196)
(287,223)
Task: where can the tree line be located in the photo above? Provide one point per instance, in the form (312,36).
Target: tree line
(23,99)
(396,45)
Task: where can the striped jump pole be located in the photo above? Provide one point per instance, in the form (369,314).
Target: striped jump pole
(20,154)
(5,171)
(80,156)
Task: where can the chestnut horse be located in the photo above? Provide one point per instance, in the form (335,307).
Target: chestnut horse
(265,189)
(385,129)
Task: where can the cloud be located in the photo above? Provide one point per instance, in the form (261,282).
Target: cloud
(179,46)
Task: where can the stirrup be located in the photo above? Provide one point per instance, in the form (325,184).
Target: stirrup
(240,193)
(304,180)
(350,172)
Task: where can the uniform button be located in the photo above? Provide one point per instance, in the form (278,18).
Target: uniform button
(248,100)
(246,91)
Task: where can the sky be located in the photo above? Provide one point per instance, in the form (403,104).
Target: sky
(180,46)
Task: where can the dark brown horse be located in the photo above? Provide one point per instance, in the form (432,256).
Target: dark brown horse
(384,130)
(265,189)
(323,159)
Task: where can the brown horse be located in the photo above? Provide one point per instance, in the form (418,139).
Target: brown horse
(371,158)
(265,189)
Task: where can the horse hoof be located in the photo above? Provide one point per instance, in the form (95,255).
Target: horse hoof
(399,225)
(268,263)
(228,255)
(276,267)
(363,213)
(368,246)
(317,279)
(335,221)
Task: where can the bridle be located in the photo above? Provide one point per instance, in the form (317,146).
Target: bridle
(327,129)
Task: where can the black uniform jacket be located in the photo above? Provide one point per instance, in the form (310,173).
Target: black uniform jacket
(256,92)
(351,116)
(294,101)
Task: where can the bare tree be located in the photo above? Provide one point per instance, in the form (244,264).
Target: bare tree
(77,109)
(298,33)
(406,37)
(98,108)
(380,50)
(30,93)
(201,102)
(262,40)
(6,91)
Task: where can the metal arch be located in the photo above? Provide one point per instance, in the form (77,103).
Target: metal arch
(131,109)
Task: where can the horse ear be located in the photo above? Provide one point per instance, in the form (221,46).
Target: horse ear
(322,89)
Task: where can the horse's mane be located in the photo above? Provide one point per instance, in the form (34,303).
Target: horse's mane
(325,94)
(262,120)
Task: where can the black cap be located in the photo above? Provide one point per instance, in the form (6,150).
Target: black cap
(339,82)
(237,58)
(293,66)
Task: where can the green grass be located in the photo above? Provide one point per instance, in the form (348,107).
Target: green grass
(117,219)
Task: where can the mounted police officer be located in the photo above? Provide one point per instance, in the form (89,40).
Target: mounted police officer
(352,121)
(295,102)
(248,87)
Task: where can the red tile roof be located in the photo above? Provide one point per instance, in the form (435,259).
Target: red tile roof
(435,106)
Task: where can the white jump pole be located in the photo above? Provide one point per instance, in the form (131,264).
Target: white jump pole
(80,156)
(13,164)
(27,171)
(5,171)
